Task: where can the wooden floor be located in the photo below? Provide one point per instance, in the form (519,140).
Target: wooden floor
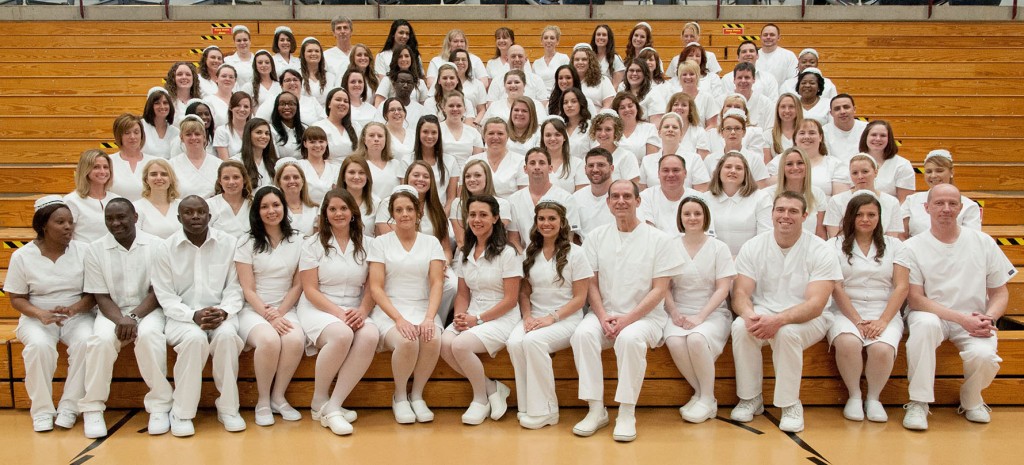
(663,438)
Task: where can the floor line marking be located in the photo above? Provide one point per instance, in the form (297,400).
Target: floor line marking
(739,424)
(800,442)
(110,432)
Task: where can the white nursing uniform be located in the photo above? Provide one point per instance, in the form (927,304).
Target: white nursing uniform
(508,176)
(523,208)
(224,218)
(286,149)
(913,208)
(890,214)
(781,278)
(319,183)
(267,94)
(281,63)
(755,161)
(368,218)
(895,173)
(218,109)
(597,94)
(504,212)
(339,144)
(661,212)
(406,277)
(694,139)
(461,147)
(387,178)
(579,142)
(693,288)
(160,147)
(152,221)
(626,166)
(225,136)
(546,69)
(533,140)
(341,278)
(819,112)
(88,215)
(636,142)
(304,222)
(827,171)
(577,175)
(402,149)
(127,183)
(486,280)
(531,352)
(696,171)
(868,283)
(739,219)
(594,210)
(452,169)
(195,181)
(274,270)
(843,144)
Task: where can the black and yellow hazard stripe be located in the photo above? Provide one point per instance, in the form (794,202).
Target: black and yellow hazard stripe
(195,51)
(109,145)
(919,170)
(1010,240)
(212,37)
(732,26)
(220,24)
(750,38)
(14,244)
(862,118)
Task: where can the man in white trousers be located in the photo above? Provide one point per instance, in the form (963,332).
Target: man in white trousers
(633,263)
(785,277)
(117,275)
(958,290)
(196,284)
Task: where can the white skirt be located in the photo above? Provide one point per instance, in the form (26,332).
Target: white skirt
(715,329)
(249,319)
(493,334)
(891,335)
(314,320)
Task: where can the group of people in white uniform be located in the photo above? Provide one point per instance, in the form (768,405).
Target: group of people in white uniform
(473,248)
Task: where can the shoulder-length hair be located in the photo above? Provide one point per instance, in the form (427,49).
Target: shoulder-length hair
(506,33)
(172,184)
(258,230)
(657,74)
(692,115)
(247,155)
(521,135)
(431,202)
(355,227)
(890,147)
(805,185)
(703,207)
(320,73)
(385,154)
(593,75)
(172,86)
(645,86)
(304,192)
(747,188)
(499,236)
(488,190)
(124,123)
(850,227)
(86,161)
(246,180)
(703,65)
(367,193)
(149,114)
(562,242)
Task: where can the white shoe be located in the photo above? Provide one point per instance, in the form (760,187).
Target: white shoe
(476,413)
(700,412)
(978,414)
(181,428)
(499,400)
(159,423)
(589,425)
(350,415)
(287,412)
(42,423)
(232,422)
(625,428)
(854,410)
(264,416)
(687,407)
(94,424)
(875,411)
(916,417)
(403,412)
(66,419)
(744,411)
(531,422)
(423,413)
(337,423)
(792,420)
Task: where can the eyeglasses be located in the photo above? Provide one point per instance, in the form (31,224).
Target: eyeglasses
(287,104)
(732,129)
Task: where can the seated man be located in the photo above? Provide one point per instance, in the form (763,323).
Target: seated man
(784,281)
(592,200)
(196,284)
(958,290)
(117,275)
(524,201)
(633,263)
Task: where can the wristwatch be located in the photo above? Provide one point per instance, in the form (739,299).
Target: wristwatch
(554,315)
(133,316)
(479,321)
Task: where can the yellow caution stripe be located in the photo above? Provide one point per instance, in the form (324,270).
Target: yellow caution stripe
(1010,240)
(220,24)
(862,118)
(195,51)
(981,203)
(14,244)
(732,26)
(109,145)
(212,37)
(918,170)
(750,38)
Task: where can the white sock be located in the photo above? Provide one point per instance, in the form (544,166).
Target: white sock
(627,410)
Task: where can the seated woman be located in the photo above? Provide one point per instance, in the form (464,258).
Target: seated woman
(598,88)
(195,169)
(739,210)
(338,127)
(158,207)
(431,149)
(699,321)
(638,136)
(182,86)
(45,285)
(895,173)
(551,297)
(938,169)
(93,179)
(264,85)
(486,307)
(354,178)
(320,171)
(867,302)
(406,282)
(402,60)
(220,99)
(267,261)
(230,205)
(810,85)
(732,131)
(125,164)
(863,172)
(605,132)
(574,112)
(259,154)
(476,181)
(384,169)
(316,79)
(454,40)
(334,308)
(302,210)
(159,118)
(831,175)
(506,166)
(796,176)
(227,140)
(673,135)
(567,171)
(546,65)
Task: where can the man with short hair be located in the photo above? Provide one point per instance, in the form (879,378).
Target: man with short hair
(773,59)
(117,275)
(524,201)
(592,200)
(405,85)
(336,58)
(842,134)
(633,263)
(759,107)
(785,277)
(765,84)
(534,84)
(195,281)
(958,290)
(659,204)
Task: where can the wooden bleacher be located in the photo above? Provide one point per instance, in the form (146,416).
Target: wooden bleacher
(64,82)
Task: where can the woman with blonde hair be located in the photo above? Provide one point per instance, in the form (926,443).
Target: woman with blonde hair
(788,120)
(796,176)
(93,179)
(454,40)
(476,181)
(229,207)
(552,59)
(740,212)
(938,169)
(158,207)
(195,169)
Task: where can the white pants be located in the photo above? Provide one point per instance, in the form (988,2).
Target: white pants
(531,359)
(788,347)
(194,346)
(630,353)
(981,361)
(40,355)
(150,353)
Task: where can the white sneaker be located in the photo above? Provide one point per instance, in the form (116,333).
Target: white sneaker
(287,412)
(875,411)
(403,412)
(264,416)
(854,410)
(687,407)
(744,411)
(181,428)
(792,420)
(625,428)
(42,423)
(595,420)
(476,413)
(232,422)
(531,422)
(337,423)
(499,400)
(66,419)
(978,414)
(159,423)
(916,417)
(94,424)
(701,412)
(423,413)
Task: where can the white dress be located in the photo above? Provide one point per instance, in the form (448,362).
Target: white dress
(895,173)
(738,219)
(486,279)
(341,278)
(156,146)
(318,184)
(274,270)
(406,277)
(88,215)
(127,183)
(386,179)
(156,223)
(195,181)
(868,284)
(577,175)
(692,289)
(226,137)
(461,147)
(222,217)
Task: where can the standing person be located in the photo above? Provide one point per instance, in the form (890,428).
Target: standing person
(93,180)
(774,59)
(117,275)
(866,304)
(241,60)
(785,279)
(486,307)
(199,292)
(334,308)
(699,320)
(592,200)
(45,284)
(626,309)
(406,282)
(401,33)
(556,276)
(524,201)
(958,290)
(843,131)
(317,80)
(546,65)
(337,57)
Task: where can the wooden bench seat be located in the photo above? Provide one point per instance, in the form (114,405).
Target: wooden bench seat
(28,179)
